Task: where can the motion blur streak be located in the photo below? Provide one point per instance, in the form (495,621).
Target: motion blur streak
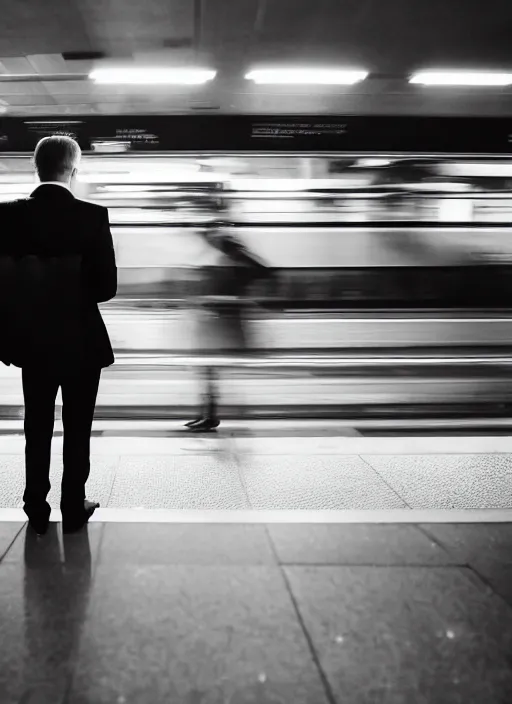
(391,288)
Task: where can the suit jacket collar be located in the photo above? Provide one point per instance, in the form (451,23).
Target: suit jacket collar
(51,190)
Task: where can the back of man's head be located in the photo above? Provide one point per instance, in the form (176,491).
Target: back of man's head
(56,158)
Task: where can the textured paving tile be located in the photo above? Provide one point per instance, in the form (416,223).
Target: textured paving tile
(41,615)
(99,484)
(8,532)
(323,482)
(356,545)
(12,480)
(54,548)
(196,482)
(193,634)
(487,548)
(188,544)
(399,635)
(448,481)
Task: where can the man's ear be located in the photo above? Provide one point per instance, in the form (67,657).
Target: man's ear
(74,174)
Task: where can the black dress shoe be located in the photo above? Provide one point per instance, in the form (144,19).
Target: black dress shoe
(205,425)
(38,520)
(73,525)
(39,524)
(192,423)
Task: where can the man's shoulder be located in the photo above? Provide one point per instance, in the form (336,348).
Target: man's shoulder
(13,211)
(13,205)
(23,208)
(92,209)
(21,203)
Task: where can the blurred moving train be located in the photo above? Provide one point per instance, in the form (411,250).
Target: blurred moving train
(392,247)
(351,232)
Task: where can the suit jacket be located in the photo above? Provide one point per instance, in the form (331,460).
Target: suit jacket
(57,263)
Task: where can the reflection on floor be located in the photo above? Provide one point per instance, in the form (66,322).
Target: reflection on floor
(309,614)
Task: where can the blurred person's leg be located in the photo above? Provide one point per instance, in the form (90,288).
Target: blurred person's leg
(39,391)
(211,394)
(244,348)
(209,419)
(79,392)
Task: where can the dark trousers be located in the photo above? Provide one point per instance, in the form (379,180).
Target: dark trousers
(210,386)
(210,393)
(79,392)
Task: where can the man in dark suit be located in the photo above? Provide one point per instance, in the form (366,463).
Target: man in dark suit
(57,263)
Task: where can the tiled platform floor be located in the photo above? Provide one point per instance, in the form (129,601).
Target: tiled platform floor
(282,473)
(303,614)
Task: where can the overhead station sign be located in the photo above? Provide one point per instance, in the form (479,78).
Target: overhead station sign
(292,130)
(244,133)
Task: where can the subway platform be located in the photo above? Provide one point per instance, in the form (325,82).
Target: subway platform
(269,563)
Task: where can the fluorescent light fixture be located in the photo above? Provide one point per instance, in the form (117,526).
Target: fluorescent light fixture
(306,76)
(461,78)
(152,76)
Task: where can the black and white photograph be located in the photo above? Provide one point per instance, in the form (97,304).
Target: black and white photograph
(256,352)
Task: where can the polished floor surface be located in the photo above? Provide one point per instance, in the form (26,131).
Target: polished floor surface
(148,613)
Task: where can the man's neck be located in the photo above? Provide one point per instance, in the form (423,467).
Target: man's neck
(64,184)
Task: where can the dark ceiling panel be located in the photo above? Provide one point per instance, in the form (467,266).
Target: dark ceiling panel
(34,27)
(139,24)
(390,35)
(228,25)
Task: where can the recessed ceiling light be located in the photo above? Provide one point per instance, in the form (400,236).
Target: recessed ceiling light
(306,76)
(152,76)
(461,78)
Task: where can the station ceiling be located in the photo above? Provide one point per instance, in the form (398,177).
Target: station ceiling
(40,41)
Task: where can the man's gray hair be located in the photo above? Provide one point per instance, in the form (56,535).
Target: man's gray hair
(55,157)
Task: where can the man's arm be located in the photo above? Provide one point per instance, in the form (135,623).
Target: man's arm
(100,262)
(10,236)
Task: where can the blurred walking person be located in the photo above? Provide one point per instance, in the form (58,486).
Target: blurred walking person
(57,263)
(221,309)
